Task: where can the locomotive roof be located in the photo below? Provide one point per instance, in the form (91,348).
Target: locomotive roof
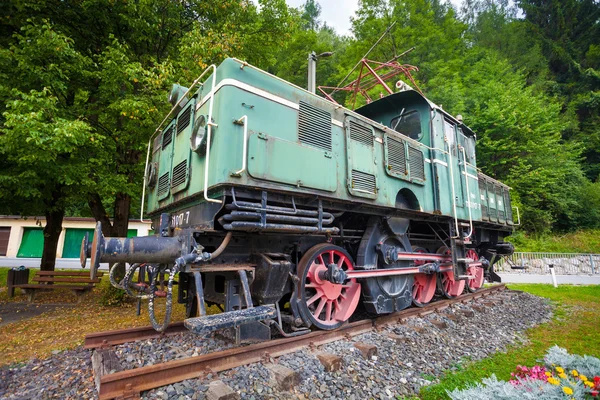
(410,96)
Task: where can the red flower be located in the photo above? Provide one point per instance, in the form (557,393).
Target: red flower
(597,379)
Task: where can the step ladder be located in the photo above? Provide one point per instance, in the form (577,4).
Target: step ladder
(241,319)
(457,246)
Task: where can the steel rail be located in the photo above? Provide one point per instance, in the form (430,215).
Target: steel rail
(136,380)
(110,338)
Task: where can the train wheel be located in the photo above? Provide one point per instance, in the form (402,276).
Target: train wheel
(322,303)
(424,284)
(447,285)
(477,272)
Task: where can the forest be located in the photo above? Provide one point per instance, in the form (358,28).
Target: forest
(83,85)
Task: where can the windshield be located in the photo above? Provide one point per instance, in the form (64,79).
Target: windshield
(408,123)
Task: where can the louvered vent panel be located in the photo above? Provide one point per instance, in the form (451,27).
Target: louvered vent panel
(500,208)
(156,145)
(167,137)
(314,126)
(361,134)
(396,156)
(363,182)
(179,174)
(507,205)
(163,184)
(184,119)
(482,194)
(416,161)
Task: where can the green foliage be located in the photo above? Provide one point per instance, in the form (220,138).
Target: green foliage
(584,241)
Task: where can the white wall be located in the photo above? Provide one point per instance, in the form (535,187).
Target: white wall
(18,225)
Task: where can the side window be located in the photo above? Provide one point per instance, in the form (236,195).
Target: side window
(408,123)
(449,134)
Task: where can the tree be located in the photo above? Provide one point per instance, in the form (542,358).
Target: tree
(310,15)
(108,80)
(43,149)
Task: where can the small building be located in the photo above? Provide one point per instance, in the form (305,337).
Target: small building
(23,237)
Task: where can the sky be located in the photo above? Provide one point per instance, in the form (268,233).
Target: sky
(337,13)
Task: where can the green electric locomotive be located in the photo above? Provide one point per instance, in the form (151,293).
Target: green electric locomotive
(288,210)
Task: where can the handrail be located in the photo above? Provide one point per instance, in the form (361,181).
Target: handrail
(210,124)
(453,193)
(468,192)
(518,217)
(214,67)
(243,121)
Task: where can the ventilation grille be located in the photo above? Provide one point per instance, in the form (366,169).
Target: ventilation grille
(361,134)
(156,145)
(483,199)
(179,174)
(184,119)
(416,161)
(363,182)
(507,206)
(167,137)
(314,126)
(163,185)
(396,156)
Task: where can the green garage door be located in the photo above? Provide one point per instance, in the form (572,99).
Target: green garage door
(74,236)
(32,243)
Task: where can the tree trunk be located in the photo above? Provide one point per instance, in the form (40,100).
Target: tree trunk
(120,223)
(52,232)
(99,213)
(121,218)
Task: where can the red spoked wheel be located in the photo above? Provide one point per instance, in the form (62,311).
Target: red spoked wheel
(325,304)
(424,284)
(448,286)
(476,272)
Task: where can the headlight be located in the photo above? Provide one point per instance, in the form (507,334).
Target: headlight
(199,133)
(151,172)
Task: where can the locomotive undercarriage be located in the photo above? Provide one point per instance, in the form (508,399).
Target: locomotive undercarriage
(293,263)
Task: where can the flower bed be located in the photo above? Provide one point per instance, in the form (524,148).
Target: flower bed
(563,376)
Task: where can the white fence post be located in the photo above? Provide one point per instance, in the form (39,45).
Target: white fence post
(551,266)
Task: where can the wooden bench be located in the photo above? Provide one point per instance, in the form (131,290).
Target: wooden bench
(77,281)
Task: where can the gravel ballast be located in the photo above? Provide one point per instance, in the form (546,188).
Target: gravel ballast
(409,355)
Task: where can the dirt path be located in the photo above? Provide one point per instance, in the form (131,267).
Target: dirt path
(12,312)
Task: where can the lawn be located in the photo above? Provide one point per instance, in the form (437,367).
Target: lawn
(575,326)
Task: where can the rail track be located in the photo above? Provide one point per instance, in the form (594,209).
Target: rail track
(110,338)
(128,384)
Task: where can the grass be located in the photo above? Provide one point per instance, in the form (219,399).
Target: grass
(575,326)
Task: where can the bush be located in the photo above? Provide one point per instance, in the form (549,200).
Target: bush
(110,295)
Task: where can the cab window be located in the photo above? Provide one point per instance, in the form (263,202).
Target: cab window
(408,123)
(449,133)
(469,144)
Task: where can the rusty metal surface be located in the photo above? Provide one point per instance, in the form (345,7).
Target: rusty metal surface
(146,378)
(107,338)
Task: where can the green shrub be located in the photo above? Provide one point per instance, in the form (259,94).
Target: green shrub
(110,295)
